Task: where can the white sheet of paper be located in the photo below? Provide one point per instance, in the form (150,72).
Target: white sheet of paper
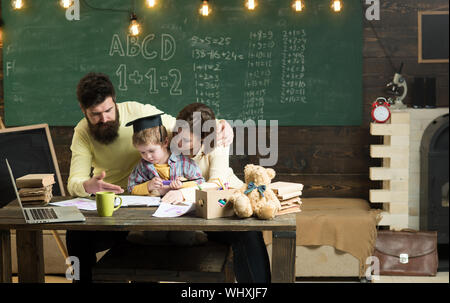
(130,201)
(166,210)
(80,203)
(140,201)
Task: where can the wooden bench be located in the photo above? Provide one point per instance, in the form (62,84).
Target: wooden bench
(128,262)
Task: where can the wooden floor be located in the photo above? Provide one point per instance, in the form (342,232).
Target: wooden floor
(441,277)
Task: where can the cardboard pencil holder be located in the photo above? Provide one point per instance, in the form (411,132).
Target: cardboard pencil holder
(212,203)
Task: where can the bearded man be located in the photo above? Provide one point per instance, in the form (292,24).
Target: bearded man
(102,143)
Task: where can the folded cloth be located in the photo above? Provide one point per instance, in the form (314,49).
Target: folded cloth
(347,224)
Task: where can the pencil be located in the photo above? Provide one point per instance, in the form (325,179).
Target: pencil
(167,182)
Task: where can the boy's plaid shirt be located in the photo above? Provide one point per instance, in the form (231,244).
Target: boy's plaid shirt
(180,166)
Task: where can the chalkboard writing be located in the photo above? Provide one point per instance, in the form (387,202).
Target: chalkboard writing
(271,63)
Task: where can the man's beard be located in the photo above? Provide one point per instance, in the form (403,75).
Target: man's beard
(107,132)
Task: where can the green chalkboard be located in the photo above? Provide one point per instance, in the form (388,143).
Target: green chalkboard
(271,63)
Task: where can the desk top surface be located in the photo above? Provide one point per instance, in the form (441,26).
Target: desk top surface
(140,218)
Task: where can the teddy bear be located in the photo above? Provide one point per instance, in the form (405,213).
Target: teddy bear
(255,197)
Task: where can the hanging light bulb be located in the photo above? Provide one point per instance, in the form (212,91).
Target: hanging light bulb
(135,27)
(150,3)
(1,33)
(204,9)
(66,3)
(251,4)
(17,4)
(336,5)
(298,5)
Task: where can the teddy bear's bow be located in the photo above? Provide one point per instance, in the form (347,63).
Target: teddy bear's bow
(251,186)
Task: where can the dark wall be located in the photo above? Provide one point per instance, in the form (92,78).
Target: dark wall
(335,161)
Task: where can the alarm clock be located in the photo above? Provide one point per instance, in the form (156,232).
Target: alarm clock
(380,110)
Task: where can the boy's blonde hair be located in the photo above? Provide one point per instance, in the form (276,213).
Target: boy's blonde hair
(150,136)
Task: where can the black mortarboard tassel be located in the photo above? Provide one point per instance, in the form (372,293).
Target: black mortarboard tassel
(146,122)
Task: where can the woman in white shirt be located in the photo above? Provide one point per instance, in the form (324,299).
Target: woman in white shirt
(250,258)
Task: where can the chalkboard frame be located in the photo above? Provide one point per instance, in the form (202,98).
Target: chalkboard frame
(44,128)
(420,42)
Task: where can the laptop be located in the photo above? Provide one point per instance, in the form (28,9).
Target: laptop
(34,215)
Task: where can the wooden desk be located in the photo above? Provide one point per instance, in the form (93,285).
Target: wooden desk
(30,254)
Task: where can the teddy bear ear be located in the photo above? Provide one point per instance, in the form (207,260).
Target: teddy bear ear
(248,167)
(270,172)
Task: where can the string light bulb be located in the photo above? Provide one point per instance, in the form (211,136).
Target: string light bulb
(150,3)
(204,8)
(336,5)
(298,5)
(17,4)
(135,27)
(66,3)
(251,4)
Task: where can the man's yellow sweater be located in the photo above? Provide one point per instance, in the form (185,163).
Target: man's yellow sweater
(117,159)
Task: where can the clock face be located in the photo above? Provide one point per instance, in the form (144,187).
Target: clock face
(381,113)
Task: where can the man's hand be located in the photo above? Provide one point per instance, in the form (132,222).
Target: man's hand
(225,134)
(173,196)
(96,184)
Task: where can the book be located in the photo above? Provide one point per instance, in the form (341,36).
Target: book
(35,180)
(43,198)
(35,191)
(291,201)
(282,188)
(289,195)
(289,210)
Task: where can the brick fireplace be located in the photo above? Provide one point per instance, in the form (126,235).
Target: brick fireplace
(420,119)
(400,171)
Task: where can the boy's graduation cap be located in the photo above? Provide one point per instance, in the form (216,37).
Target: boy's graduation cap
(146,122)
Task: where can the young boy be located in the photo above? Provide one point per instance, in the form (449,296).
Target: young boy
(158,164)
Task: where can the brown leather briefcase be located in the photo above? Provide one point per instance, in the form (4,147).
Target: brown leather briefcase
(407,253)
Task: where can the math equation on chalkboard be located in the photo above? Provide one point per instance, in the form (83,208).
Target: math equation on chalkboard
(211,56)
(268,64)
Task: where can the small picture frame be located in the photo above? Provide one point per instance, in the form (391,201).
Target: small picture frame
(433,37)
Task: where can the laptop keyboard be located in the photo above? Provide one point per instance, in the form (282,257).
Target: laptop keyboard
(43,213)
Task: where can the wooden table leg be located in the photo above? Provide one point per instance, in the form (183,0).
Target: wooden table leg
(30,256)
(283,256)
(5,256)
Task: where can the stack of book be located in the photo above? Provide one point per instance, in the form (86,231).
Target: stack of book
(289,195)
(36,189)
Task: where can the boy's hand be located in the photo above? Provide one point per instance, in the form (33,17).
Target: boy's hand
(96,184)
(155,183)
(176,184)
(173,196)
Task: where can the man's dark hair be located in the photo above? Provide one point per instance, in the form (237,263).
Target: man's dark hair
(93,89)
